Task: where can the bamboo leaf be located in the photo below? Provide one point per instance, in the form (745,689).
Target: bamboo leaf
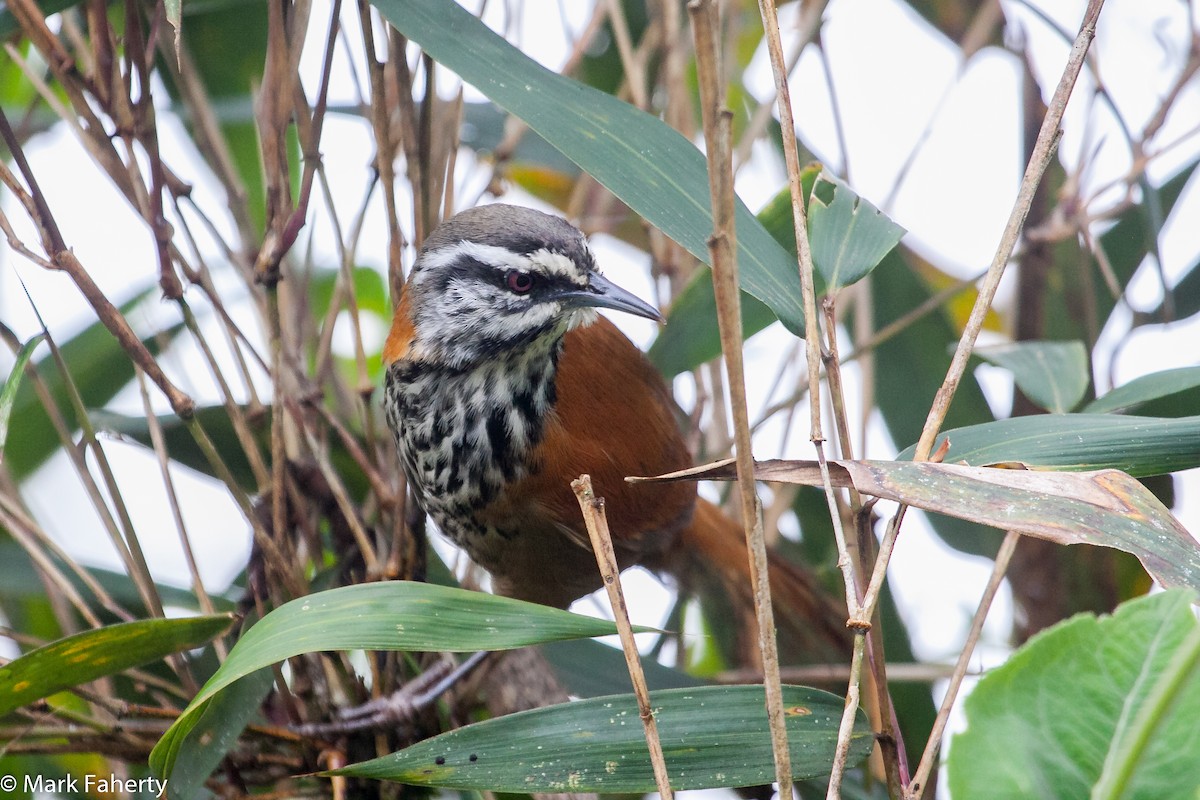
(643,161)
(712,736)
(1139,391)
(1052,374)
(1141,446)
(691,337)
(100,368)
(215,733)
(394,615)
(8,395)
(849,236)
(94,654)
(1106,508)
(588,668)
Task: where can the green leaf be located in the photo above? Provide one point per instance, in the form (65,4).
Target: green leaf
(1139,391)
(1054,375)
(182,447)
(904,394)
(911,367)
(1106,507)
(588,668)
(394,615)
(216,731)
(913,363)
(105,651)
(848,242)
(8,395)
(484,128)
(644,162)
(1102,707)
(711,736)
(100,368)
(370,291)
(849,236)
(1141,446)
(691,337)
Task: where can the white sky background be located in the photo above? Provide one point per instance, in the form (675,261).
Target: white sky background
(893,95)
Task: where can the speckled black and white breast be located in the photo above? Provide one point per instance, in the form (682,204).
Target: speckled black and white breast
(463,435)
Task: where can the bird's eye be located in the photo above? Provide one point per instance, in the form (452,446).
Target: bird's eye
(518,282)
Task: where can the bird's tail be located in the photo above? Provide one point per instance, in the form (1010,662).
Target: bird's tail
(712,560)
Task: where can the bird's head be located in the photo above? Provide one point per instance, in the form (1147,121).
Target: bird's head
(497,278)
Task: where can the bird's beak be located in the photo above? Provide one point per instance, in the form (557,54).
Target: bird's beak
(603,293)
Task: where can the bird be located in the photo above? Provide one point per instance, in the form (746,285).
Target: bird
(503,384)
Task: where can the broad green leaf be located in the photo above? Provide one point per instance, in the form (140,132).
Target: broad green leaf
(588,668)
(1106,508)
(691,337)
(100,368)
(849,236)
(1139,391)
(94,654)
(904,392)
(394,615)
(958,306)
(912,364)
(776,216)
(648,165)
(1141,446)
(215,733)
(8,395)
(1105,707)
(1054,375)
(370,291)
(910,367)
(711,736)
(182,447)
(601,65)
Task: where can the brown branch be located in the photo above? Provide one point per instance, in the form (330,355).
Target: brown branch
(722,248)
(606,559)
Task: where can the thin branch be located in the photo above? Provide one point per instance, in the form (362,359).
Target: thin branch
(1003,557)
(606,559)
(723,249)
(1043,153)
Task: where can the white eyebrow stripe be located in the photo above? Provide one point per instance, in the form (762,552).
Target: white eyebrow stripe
(557,264)
(503,258)
(489,254)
